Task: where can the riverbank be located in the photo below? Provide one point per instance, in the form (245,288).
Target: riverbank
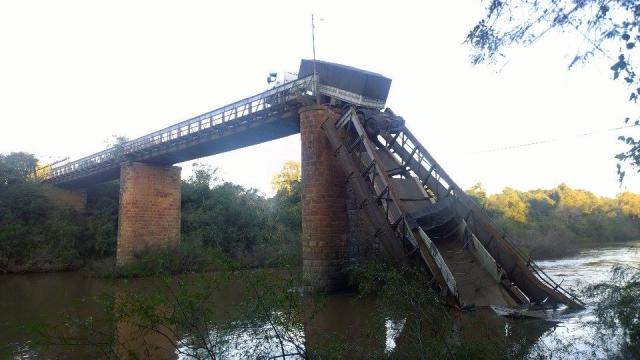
(186,258)
(552,223)
(555,252)
(199,259)
(540,240)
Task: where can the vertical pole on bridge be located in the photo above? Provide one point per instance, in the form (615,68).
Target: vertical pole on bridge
(315,73)
(324,211)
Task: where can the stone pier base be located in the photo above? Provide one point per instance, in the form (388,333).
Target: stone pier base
(324,213)
(149,217)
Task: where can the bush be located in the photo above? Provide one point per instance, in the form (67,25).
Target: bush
(36,234)
(560,221)
(217,218)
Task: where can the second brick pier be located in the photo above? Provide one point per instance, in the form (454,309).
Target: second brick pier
(149,216)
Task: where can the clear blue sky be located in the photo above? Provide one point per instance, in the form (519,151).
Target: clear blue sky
(72,73)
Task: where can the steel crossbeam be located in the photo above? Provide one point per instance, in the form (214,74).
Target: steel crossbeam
(371,169)
(528,275)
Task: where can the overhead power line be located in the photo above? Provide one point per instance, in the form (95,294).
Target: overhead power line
(547,141)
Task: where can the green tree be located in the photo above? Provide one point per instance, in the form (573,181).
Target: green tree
(17,167)
(227,216)
(540,204)
(478,193)
(629,204)
(34,233)
(203,177)
(287,177)
(510,204)
(118,144)
(561,220)
(100,226)
(617,310)
(575,201)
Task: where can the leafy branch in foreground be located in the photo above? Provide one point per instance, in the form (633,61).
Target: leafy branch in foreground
(191,315)
(617,309)
(167,315)
(604,28)
(429,329)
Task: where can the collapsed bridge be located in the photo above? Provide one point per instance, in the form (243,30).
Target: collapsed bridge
(418,213)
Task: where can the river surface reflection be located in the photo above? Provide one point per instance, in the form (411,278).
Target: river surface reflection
(26,300)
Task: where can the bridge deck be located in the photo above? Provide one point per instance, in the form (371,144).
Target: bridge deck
(267,116)
(433,220)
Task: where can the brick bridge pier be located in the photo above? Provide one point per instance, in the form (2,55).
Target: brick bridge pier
(149,213)
(324,210)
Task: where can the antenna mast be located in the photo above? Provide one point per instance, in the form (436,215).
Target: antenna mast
(315,74)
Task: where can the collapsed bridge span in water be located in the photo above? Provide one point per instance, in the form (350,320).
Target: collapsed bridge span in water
(419,213)
(424,216)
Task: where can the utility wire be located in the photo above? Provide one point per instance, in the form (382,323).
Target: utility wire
(547,141)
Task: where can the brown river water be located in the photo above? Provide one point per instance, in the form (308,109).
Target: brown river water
(26,300)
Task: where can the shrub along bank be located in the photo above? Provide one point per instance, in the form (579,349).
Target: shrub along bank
(218,218)
(562,220)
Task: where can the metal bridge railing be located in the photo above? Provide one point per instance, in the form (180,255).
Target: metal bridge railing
(381,184)
(201,123)
(421,157)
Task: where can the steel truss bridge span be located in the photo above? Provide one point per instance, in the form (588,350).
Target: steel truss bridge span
(422,216)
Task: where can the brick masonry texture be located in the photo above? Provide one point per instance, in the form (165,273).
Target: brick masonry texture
(325,249)
(149,217)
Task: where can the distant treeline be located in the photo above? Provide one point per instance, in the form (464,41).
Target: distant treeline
(39,235)
(561,220)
